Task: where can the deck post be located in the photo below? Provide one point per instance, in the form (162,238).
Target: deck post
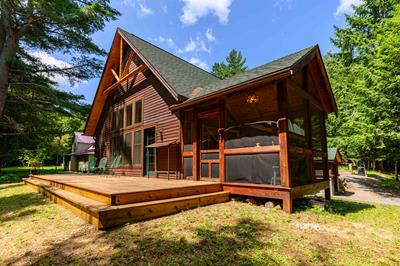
(221,140)
(283,133)
(283,143)
(168,164)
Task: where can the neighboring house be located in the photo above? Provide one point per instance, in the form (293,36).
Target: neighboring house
(334,159)
(82,148)
(259,133)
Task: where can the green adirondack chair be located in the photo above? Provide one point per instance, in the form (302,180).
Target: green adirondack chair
(116,162)
(91,164)
(102,164)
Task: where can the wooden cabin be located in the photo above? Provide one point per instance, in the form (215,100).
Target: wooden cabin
(334,159)
(259,133)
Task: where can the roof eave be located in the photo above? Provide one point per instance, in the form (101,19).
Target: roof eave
(269,77)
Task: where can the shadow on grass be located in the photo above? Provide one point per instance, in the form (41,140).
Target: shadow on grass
(343,207)
(5,186)
(225,245)
(12,207)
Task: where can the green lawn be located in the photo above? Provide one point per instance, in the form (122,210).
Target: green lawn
(15,174)
(35,231)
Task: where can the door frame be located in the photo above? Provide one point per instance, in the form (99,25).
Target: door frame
(146,171)
(215,113)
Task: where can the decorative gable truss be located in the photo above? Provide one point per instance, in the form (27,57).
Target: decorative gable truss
(126,69)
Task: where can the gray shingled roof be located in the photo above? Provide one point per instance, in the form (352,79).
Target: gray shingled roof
(263,70)
(180,75)
(193,82)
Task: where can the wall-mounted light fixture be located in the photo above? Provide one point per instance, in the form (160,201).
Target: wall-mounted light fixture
(252,98)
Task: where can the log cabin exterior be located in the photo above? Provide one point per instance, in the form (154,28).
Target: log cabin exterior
(259,133)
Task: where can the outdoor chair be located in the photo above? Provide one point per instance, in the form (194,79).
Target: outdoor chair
(116,162)
(102,164)
(91,164)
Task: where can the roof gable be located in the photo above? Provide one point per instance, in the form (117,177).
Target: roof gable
(181,75)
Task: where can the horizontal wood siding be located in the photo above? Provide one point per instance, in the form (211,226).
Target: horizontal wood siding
(156,113)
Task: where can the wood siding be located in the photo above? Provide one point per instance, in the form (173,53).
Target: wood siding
(156,101)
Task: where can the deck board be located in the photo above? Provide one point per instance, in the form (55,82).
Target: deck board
(111,185)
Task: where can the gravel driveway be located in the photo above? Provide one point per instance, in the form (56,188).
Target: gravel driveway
(366,188)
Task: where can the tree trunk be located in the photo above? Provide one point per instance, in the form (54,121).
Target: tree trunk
(396,171)
(8,50)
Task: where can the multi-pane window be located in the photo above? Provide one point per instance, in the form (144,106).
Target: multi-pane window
(127,155)
(114,120)
(121,118)
(138,112)
(137,147)
(128,115)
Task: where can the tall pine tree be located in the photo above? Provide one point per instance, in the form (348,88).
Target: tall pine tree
(235,64)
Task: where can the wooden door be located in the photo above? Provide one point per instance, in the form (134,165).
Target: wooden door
(209,161)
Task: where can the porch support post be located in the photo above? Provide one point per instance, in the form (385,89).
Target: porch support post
(221,140)
(283,133)
(281,87)
(325,157)
(195,157)
(168,164)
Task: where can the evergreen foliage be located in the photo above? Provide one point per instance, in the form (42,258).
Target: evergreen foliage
(235,64)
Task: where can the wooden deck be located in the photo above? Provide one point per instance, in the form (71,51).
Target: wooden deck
(106,201)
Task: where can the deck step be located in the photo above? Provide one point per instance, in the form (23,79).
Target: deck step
(115,215)
(104,216)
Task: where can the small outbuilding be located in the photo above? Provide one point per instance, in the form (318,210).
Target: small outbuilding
(334,159)
(82,149)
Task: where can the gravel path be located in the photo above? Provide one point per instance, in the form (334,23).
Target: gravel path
(366,189)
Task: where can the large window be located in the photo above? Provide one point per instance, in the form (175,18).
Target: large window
(128,115)
(187,131)
(138,112)
(114,120)
(137,148)
(127,148)
(121,118)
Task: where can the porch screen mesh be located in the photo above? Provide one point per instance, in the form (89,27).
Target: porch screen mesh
(188,167)
(253,168)
(299,169)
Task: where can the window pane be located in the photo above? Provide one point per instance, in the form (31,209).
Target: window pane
(317,121)
(121,118)
(297,119)
(128,115)
(204,170)
(215,170)
(210,156)
(114,120)
(209,133)
(253,168)
(187,131)
(188,167)
(138,112)
(127,155)
(137,144)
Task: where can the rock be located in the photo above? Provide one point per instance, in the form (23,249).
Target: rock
(278,207)
(316,203)
(251,200)
(269,204)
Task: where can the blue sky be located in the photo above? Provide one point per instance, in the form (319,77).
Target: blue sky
(204,31)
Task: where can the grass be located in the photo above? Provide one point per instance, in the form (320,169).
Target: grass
(15,174)
(35,231)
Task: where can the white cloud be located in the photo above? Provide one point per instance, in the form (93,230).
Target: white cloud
(164,8)
(195,9)
(198,62)
(346,6)
(48,59)
(283,3)
(195,45)
(168,41)
(140,5)
(209,35)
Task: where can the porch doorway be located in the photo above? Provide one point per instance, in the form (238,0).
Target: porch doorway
(149,155)
(209,147)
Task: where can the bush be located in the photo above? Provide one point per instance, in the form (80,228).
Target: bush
(9,178)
